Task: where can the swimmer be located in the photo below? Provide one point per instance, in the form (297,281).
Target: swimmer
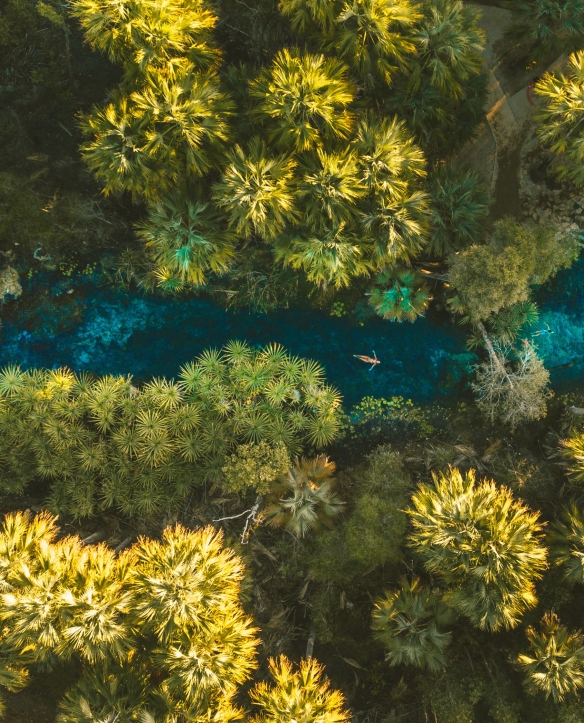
(368,360)
(543,332)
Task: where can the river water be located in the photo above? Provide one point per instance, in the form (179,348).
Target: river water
(106,331)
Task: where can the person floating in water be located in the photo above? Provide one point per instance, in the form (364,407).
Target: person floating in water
(543,332)
(368,360)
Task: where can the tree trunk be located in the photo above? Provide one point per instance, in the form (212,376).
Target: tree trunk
(492,353)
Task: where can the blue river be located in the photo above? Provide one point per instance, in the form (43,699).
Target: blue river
(91,328)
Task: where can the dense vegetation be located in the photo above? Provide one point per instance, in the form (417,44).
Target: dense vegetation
(254,537)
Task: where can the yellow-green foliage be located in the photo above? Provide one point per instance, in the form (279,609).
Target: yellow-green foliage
(301,694)
(172,605)
(255,466)
(500,273)
(105,443)
(480,542)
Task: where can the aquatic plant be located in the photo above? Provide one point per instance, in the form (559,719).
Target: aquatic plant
(407,622)
(555,664)
(482,543)
(105,443)
(303,498)
(400,294)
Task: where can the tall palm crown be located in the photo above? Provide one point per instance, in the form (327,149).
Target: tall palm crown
(375,35)
(332,256)
(558,121)
(555,663)
(303,99)
(482,542)
(300,695)
(145,142)
(408,623)
(150,34)
(329,189)
(395,209)
(450,43)
(400,294)
(188,239)
(312,501)
(257,191)
(567,544)
(459,209)
(550,27)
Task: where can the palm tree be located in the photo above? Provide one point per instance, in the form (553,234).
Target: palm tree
(573,449)
(548,27)
(329,189)
(334,256)
(567,544)
(395,210)
(308,15)
(459,209)
(146,142)
(146,35)
(375,35)
(303,100)
(482,543)
(187,238)
(312,502)
(400,294)
(300,694)
(558,121)
(451,43)
(257,191)
(407,622)
(555,664)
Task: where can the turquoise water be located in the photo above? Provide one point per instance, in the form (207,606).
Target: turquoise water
(104,331)
(109,332)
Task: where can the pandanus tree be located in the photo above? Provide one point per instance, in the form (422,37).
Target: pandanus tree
(408,623)
(554,665)
(257,191)
(303,497)
(566,537)
(547,27)
(481,542)
(400,294)
(187,238)
(301,694)
(303,100)
(146,142)
(559,119)
(105,443)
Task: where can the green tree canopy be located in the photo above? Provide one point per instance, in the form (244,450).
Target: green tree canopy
(500,273)
(482,543)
